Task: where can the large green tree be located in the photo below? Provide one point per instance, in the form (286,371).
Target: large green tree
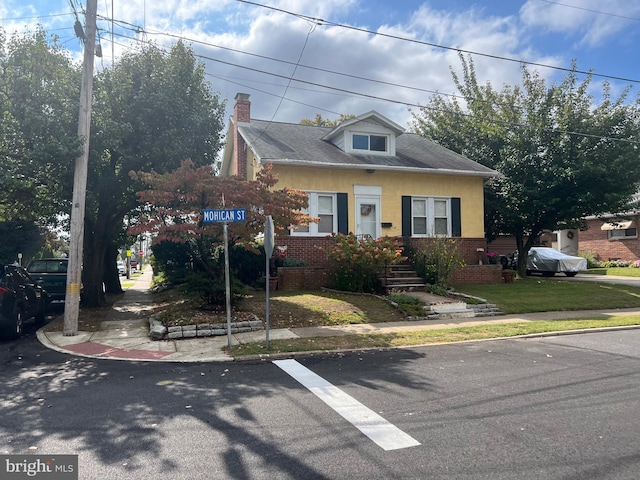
(562,153)
(152,110)
(39,102)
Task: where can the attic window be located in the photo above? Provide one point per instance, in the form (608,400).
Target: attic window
(371,143)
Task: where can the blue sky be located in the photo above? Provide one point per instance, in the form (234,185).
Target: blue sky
(351,71)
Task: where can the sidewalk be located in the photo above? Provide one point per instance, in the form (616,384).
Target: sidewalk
(124,335)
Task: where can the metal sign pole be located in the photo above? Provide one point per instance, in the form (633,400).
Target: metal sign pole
(268,250)
(225,216)
(227,281)
(267,308)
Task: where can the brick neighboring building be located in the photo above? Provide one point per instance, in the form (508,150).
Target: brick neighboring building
(611,239)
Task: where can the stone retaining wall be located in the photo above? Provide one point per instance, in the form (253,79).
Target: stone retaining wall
(158,331)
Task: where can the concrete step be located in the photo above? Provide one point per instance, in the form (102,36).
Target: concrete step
(401,266)
(466,313)
(397,280)
(448,307)
(486,310)
(406,287)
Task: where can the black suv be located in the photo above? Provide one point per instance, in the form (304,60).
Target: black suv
(21,298)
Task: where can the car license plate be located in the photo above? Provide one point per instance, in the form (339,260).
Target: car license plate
(38,293)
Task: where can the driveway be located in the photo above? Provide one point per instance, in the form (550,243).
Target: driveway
(581,277)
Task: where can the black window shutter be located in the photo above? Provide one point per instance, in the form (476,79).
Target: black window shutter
(343,213)
(406,216)
(456,226)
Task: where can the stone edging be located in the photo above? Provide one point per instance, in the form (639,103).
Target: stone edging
(158,331)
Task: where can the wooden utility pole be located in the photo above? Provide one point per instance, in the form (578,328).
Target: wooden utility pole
(74,271)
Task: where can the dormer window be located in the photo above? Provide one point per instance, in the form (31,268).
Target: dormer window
(370,143)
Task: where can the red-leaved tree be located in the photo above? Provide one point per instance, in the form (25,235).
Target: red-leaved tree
(174,203)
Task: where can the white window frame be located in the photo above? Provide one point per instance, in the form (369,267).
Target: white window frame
(431,216)
(631,232)
(313,212)
(387,143)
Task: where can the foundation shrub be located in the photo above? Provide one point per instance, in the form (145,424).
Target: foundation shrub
(436,262)
(358,261)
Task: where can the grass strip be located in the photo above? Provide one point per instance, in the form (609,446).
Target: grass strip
(533,294)
(617,271)
(426,337)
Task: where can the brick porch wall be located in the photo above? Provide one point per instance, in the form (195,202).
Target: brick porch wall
(312,249)
(303,278)
(468,247)
(308,249)
(318,270)
(595,241)
(477,274)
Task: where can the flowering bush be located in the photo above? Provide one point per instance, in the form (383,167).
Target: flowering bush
(358,261)
(436,262)
(615,264)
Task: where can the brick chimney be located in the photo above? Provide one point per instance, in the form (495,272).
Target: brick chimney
(241,114)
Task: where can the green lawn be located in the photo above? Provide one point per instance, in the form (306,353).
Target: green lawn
(532,294)
(619,271)
(429,337)
(536,294)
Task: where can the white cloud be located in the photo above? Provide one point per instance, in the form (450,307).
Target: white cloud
(592,22)
(271,33)
(367,56)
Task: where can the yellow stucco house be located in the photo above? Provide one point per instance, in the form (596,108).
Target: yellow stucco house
(366,176)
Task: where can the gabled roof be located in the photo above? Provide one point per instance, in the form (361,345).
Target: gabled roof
(372,116)
(306,145)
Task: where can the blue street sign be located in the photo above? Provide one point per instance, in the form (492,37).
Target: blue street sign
(225,216)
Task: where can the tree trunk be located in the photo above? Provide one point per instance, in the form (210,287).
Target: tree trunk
(92,285)
(523,250)
(522,264)
(111,276)
(96,244)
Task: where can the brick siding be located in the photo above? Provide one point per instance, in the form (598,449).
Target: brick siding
(477,275)
(303,278)
(595,241)
(312,250)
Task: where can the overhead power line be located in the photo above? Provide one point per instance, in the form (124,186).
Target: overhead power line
(592,11)
(395,101)
(320,21)
(34,17)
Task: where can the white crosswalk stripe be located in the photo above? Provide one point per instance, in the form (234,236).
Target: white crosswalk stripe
(383,433)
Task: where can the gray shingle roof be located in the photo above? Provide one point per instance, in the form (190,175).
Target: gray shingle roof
(296,144)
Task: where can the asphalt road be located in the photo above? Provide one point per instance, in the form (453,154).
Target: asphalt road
(563,407)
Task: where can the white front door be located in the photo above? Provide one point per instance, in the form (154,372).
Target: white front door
(368,210)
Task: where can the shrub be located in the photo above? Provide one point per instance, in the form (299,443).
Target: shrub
(408,305)
(436,262)
(614,264)
(293,262)
(357,261)
(247,262)
(439,290)
(172,260)
(212,291)
(592,261)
